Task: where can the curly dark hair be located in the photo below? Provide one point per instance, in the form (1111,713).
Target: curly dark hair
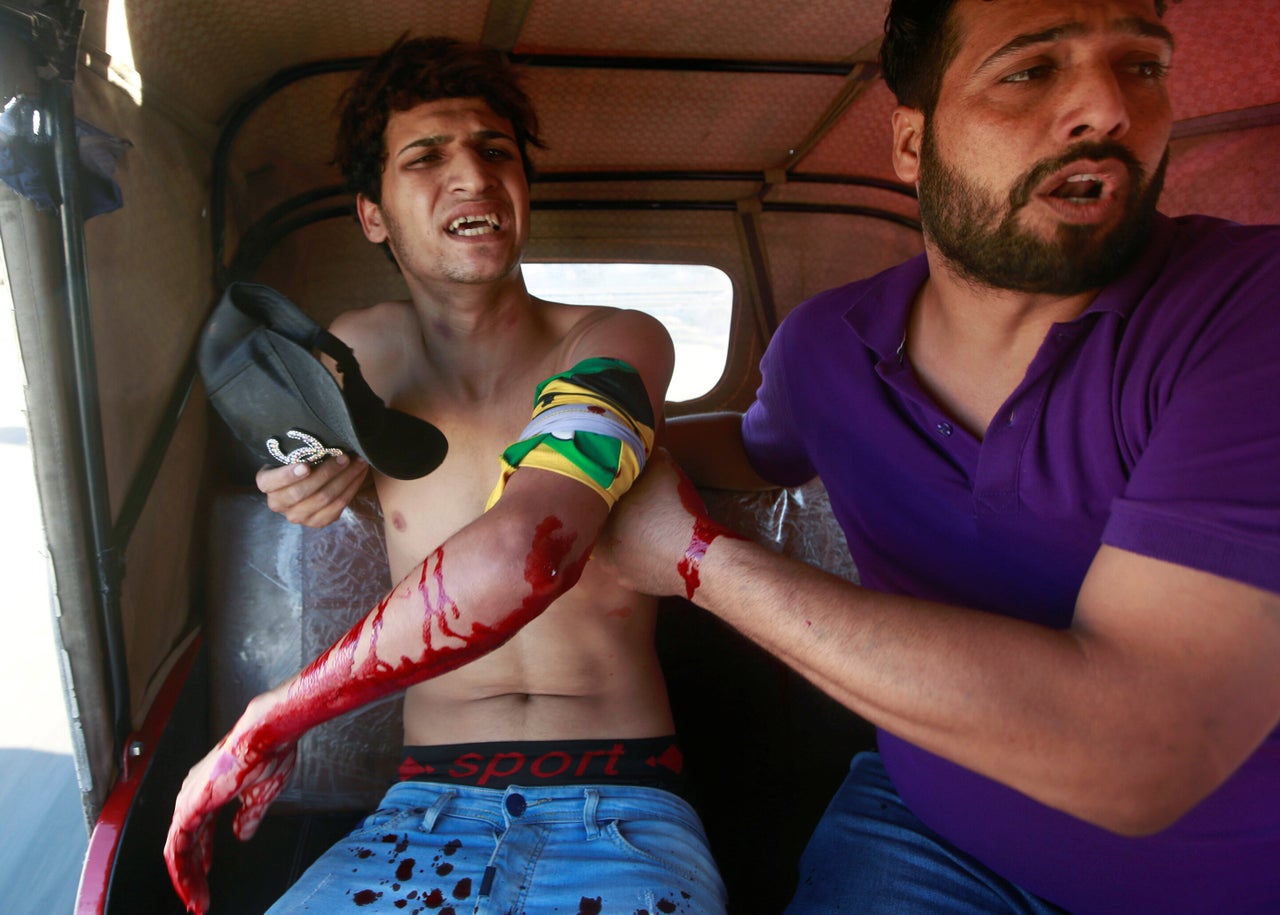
(921,40)
(416,70)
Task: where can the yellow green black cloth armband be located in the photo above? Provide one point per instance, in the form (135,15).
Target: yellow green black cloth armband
(593,424)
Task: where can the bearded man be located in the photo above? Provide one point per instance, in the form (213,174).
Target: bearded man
(1050,445)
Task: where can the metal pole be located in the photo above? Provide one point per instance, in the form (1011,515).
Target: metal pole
(109,564)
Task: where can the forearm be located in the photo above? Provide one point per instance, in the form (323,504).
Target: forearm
(1072,718)
(468,597)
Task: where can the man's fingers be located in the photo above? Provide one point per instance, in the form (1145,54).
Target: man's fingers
(275,478)
(188,854)
(327,504)
(319,495)
(257,797)
(294,482)
(254,803)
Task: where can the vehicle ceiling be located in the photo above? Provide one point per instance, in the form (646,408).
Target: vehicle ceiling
(197,60)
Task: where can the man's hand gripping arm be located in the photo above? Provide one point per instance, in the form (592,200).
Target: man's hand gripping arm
(1163,685)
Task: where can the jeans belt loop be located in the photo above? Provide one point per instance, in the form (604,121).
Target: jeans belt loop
(429,820)
(589,813)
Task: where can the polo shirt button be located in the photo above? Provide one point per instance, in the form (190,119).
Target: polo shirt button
(516,804)
(944,428)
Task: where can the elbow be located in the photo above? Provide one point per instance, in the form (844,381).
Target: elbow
(1148,803)
(547,556)
(1135,820)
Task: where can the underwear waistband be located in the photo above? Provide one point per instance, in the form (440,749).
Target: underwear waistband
(649,762)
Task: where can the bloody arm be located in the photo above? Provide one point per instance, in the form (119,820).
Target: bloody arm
(460,603)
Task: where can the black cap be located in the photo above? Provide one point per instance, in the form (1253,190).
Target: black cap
(255,356)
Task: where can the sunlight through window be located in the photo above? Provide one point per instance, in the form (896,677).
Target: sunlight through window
(122,71)
(693,301)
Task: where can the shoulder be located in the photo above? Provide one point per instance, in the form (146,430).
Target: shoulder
(378,336)
(588,331)
(863,303)
(636,338)
(1211,249)
(868,315)
(1215,273)
(373,330)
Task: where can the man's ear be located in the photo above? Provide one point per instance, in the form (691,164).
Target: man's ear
(371,219)
(908,132)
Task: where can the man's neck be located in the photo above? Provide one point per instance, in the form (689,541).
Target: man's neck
(477,334)
(970,345)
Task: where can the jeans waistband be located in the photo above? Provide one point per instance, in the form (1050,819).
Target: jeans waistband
(592,804)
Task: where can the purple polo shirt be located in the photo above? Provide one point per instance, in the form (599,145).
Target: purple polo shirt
(1151,423)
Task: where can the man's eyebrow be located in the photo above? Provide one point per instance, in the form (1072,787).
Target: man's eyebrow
(443,139)
(1142,28)
(439,139)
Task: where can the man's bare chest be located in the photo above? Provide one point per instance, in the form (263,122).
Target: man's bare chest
(421,514)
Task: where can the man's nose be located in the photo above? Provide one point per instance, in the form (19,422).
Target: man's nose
(1095,104)
(471,172)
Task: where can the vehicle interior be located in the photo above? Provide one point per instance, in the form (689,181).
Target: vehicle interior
(186,145)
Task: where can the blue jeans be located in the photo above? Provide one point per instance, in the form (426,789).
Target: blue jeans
(432,848)
(869,854)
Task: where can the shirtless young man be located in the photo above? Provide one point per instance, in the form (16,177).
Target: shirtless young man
(535,713)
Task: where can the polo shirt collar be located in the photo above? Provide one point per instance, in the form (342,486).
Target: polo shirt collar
(882,304)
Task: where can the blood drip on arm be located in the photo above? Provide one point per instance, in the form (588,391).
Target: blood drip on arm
(353,672)
(704,532)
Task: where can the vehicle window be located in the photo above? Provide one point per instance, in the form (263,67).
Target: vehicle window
(693,301)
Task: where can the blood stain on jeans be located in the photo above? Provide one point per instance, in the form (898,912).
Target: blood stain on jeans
(405,870)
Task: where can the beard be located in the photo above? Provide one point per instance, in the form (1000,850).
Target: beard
(982,239)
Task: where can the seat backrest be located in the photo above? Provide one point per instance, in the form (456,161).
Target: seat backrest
(278,595)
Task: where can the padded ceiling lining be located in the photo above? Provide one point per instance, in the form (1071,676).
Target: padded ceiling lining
(816,30)
(205,58)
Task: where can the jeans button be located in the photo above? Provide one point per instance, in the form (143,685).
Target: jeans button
(516,804)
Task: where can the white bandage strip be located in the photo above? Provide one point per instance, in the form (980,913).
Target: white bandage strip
(566,419)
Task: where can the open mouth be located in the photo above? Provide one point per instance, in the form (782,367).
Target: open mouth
(470,226)
(1084,188)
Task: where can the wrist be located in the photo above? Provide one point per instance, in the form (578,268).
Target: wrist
(704,533)
(258,724)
